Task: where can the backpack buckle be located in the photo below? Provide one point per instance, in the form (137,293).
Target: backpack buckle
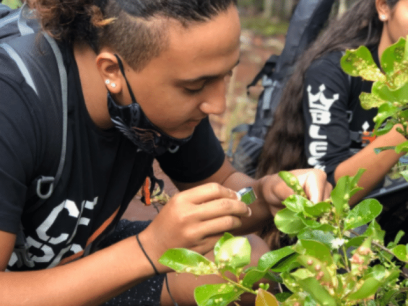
(23,258)
(45,180)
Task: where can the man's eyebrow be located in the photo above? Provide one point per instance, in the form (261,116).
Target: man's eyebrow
(205,77)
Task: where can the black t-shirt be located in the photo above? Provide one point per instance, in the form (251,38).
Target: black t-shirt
(335,123)
(103,170)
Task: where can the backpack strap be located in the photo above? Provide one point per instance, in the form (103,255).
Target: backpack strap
(19,51)
(53,181)
(20,42)
(267,70)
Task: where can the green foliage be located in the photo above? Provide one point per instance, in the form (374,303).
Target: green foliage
(390,89)
(264,26)
(12,3)
(329,265)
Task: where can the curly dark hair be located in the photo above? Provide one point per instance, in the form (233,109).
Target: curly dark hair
(130,27)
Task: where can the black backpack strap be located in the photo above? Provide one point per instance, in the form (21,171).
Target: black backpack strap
(23,52)
(267,70)
(53,181)
(242,128)
(20,40)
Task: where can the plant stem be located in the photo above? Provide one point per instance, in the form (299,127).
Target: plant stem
(280,288)
(237,284)
(346,261)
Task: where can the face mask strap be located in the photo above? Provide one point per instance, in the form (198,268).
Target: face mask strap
(124,75)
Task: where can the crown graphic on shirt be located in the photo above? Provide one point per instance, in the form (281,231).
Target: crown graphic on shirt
(319,100)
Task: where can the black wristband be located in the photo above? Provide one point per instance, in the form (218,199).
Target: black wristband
(148,258)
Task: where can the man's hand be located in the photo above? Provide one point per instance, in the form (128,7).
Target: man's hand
(273,190)
(194,219)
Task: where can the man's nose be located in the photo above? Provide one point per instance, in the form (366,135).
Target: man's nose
(215,102)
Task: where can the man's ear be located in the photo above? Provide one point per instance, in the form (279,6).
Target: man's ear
(108,67)
(383,10)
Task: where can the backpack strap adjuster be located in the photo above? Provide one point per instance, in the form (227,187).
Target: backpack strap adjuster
(45,180)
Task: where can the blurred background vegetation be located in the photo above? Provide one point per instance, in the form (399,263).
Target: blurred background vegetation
(12,3)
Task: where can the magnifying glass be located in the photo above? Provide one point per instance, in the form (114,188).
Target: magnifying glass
(247,195)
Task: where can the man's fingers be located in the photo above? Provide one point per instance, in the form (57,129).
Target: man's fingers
(207,193)
(316,186)
(218,226)
(222,207)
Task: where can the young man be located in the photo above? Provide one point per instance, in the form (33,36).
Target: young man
(164,66)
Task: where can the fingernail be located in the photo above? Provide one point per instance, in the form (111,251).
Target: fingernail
(238,196)
(249,212)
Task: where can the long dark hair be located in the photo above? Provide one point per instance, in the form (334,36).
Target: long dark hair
(284,143)
(130,27)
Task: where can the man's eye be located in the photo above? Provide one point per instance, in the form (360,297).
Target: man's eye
(194,91)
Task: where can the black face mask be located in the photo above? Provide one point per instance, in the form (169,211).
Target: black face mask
(134,124)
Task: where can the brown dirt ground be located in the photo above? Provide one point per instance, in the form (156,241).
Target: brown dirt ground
(255,51)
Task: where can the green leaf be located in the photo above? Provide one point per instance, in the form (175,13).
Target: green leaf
(369,101)
(297,297)
(252,276)
(317,235)
(382,131)
(281,297)
(369,288)
(379,273)
(309,222)
(361,63)
(356,178)
(340,195)
(290,282)
(186,261)
(389,94)
(221,241)
(318,209)
(319,269)
(218,294)
(401,252)
(374,230)
(382,149)
(264,298)
(314,249)
(296,203)
(268,260)
(402,147)
(302,274)
(355,242)
(397,239)
(404,174)
(317,291)
(309,301)
(287,264)
(287,222)
(384,112)
(316,257)
(292,182)
(233,254)
(273,277)
(392,55)
(363,213)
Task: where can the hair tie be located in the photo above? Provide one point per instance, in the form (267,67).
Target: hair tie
(148,258)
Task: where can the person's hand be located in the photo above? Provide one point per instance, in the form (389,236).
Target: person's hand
(273,190)
(194,219)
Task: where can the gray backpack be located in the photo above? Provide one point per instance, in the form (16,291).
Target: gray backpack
(34,52)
